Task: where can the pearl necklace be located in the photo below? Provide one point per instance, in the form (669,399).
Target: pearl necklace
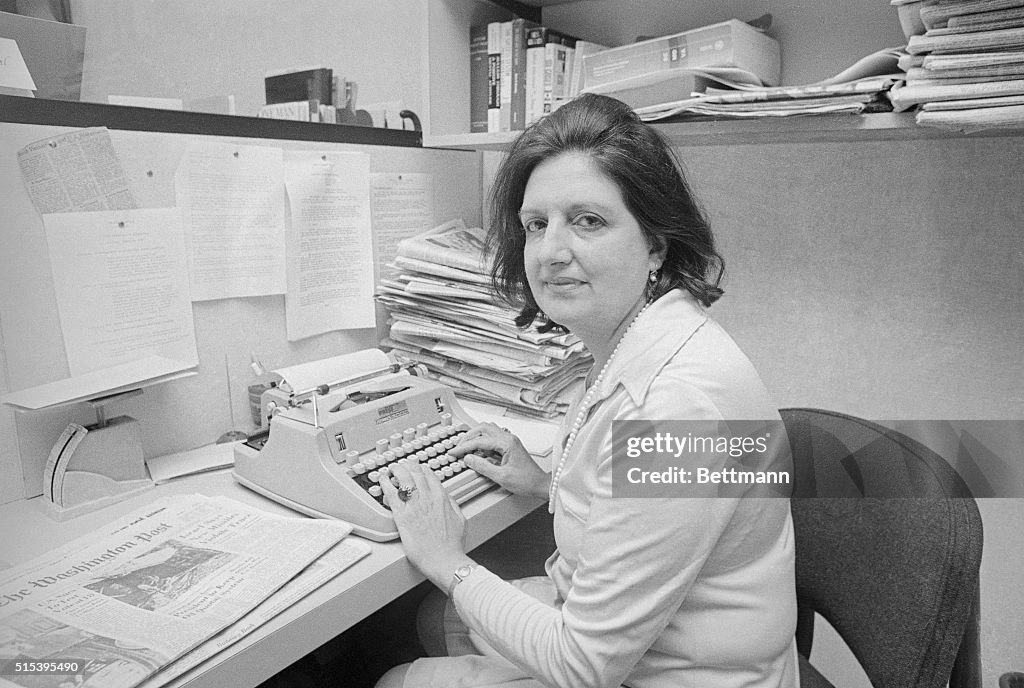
(581,416)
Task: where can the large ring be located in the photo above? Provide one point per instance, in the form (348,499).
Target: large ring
(405,493)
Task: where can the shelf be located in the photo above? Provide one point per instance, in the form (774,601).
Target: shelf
(883,126)
(68,113)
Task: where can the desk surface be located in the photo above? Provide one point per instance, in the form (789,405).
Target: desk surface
(359,591)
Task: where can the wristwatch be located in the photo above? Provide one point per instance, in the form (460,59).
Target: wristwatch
(460,574)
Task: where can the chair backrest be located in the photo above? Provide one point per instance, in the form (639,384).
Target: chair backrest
(888,548)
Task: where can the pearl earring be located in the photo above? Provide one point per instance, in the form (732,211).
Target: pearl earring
(652,276)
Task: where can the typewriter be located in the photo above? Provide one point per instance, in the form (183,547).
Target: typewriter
(324,450)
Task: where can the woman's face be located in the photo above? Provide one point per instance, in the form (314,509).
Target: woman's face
(586,258)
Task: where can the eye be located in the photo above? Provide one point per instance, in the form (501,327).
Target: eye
(534,225)
(588,221)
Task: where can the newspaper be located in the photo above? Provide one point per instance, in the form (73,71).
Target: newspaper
(452,243)
(75,172)
(337,559)
(116,607)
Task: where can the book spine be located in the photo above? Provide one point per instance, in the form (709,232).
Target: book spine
(554,52)
(494,77)
(535,38)
(518,99)
(583,49)
(478,82)
(506,76)
(570,57)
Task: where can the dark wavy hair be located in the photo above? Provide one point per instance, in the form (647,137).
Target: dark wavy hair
(639,160)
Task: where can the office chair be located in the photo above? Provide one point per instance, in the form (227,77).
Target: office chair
(888,548)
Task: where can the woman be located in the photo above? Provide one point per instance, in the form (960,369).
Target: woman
(595,229)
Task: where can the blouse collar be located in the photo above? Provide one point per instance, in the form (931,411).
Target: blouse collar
(658,333)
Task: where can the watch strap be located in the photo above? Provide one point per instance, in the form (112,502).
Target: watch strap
(458,575)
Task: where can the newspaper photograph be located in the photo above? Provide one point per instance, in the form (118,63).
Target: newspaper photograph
(336,560)
(112,609)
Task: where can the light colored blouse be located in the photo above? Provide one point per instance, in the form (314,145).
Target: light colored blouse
(653,592)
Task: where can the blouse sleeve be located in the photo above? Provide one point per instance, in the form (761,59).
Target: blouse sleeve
(638,559)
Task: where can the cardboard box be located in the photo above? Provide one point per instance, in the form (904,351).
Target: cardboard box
(730,43)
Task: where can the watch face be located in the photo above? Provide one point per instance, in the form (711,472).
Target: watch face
(463,571)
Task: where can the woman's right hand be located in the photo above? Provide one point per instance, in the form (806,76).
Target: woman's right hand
(497,454)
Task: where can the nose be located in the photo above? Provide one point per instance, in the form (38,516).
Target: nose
(555,244)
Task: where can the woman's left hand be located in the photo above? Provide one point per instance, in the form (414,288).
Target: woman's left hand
(429,521)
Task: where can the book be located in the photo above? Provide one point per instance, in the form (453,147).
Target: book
(478,80)
(730,43)
(300,111)
(506,76)
(518,70)
(306,84)
(583,48)
(555,56)
(494,77)
(536,37)
(570,57)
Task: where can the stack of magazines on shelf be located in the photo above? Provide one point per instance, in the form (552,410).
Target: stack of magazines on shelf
(966,70)
(444,315)
(859,89)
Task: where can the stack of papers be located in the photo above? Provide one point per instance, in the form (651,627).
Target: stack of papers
(855,90)
(444,315)
(966,72)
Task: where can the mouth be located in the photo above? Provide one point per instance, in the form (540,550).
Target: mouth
(563,284)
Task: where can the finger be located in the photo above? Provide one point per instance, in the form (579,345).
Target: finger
(483,430)
(431,482)
(401,475)
(481,465)
(482,443)
(415,470)
(390,493)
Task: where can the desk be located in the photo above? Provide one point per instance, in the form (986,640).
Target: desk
(360,590)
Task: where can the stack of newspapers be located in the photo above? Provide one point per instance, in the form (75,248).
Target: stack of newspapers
(444,315)
(149,596)
(966,71)
(858,89)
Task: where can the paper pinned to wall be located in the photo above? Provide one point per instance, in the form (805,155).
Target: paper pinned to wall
(330,247)
(75,172)
(233,209)
(122,287)
(402,207)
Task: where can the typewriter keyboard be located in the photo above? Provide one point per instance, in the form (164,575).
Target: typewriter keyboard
(427,445)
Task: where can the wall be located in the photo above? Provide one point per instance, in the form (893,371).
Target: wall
(885,280)
(882,279)
(194,48)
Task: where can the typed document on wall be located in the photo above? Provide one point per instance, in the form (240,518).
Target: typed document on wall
(330,246)
(230,199)
(121,287)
